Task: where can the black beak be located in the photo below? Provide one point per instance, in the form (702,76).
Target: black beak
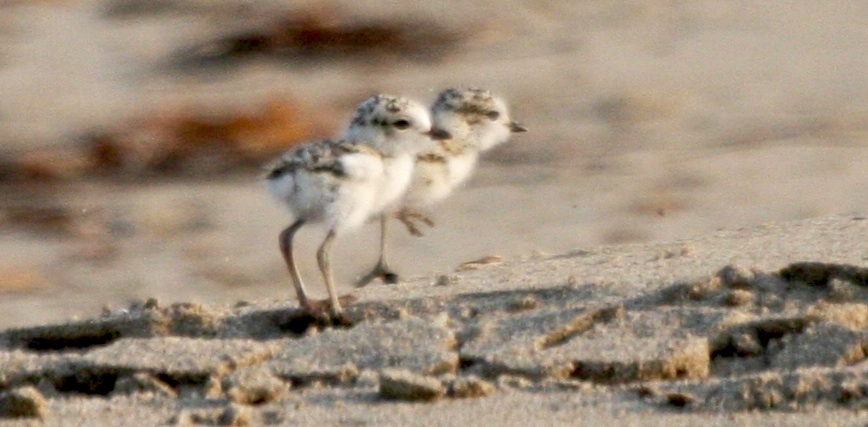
(515,127)
(439,134)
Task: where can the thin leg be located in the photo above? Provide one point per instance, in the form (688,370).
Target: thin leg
(322,257)
(385,273)
(286,249)
(383,263)
(381,270)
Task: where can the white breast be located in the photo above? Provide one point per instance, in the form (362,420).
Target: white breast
(398,171)
(429,185)
(461,167)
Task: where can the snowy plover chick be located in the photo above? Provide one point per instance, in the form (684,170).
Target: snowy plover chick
(375,123)
(477,121)
(343,183)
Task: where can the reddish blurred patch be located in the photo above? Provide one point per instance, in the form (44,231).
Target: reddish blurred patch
(19,279)
(174,142)
(189,143)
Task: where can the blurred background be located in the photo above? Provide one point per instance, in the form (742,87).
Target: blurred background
(133,132)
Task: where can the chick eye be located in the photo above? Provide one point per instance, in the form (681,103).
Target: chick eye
(493,115)
(401,124)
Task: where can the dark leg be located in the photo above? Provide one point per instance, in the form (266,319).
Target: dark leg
(286,248)
(381,270)
(382,267)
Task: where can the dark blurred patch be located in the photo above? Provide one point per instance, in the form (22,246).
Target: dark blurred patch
(139,9)
(46,164)
(121,9)
(177,142)
(43,218)
(322,35)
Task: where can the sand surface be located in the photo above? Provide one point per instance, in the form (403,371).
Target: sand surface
(667,141)
(633,334)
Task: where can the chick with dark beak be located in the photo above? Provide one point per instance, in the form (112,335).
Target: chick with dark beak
(382,269)
(467,121)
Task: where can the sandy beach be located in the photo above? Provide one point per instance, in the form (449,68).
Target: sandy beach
(614,334)
(679,238)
